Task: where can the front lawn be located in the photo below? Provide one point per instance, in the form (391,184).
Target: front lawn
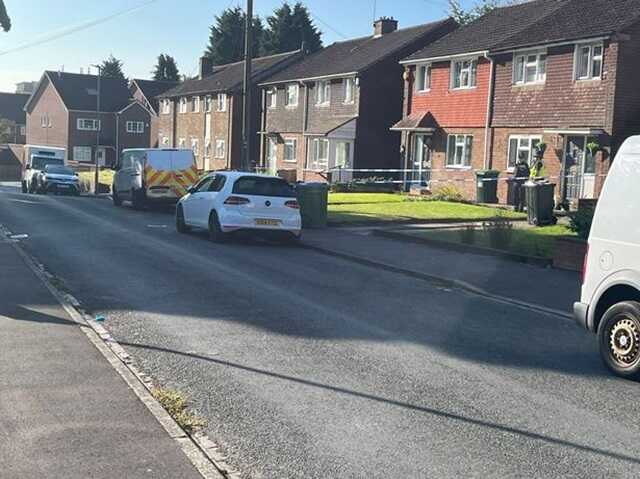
(524,241)
(383,207)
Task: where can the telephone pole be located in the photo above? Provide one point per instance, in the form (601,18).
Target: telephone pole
(246,107)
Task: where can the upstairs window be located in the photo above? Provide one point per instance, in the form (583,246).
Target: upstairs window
(349,90)
(272,98)
(291,98)
(588,61)
(464,74)
(207,103)
(323,93)
(195,104)
(135,127)
(85,124)
(222,102)
(423,78)
(459,149)
(529,68)
(183,105)
(166,106)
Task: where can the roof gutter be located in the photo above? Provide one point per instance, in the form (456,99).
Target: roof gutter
(551,45)
(445,57)
(487,126)
(323,77)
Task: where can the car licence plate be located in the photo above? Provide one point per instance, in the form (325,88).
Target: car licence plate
(63,186)
(267,222)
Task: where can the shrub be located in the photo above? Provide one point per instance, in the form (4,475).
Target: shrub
(500,231)
(448,193)
(580,222)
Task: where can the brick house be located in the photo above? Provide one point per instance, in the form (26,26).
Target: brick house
(559,72)
(12,109)
(62,113)
(205,113)
(146,92)
(333,109)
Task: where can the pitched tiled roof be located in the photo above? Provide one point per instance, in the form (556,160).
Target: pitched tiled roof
(535,23)
(354,56)
(79,92)
(12,107)
(417,121)
(231,76)
(153,88)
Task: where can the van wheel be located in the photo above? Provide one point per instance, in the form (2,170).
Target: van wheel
(24,186)
(117,201)
(215,231)
(137,199)
(619,339)
(181,226)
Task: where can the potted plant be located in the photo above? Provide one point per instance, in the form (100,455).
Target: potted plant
(593,147)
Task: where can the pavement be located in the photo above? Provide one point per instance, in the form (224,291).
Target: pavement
(64,411)
(308,365)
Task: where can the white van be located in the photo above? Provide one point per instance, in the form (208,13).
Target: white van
(36,158)
(152,175)
(610,302)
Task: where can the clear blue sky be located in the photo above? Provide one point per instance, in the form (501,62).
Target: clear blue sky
(179,28)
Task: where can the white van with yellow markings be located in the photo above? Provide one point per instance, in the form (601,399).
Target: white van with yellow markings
(146,176)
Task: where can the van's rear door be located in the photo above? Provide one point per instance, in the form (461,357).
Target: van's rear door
(158,174)
(185,172)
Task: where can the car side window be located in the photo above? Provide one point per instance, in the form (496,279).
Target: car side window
(218,183)
(204,184)
(127,160)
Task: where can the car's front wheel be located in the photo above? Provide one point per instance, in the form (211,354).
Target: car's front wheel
(619,339)
(215,230)
(181,225)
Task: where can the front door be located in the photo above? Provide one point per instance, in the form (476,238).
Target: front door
(580,168)
(421,165)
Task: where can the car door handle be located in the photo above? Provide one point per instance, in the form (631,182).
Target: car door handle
(135,174)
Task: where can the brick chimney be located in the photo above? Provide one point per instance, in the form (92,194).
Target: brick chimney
(206,67)
(384,25)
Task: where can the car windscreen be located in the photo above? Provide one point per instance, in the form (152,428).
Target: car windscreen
(39,162)
(259,186)
(59,170)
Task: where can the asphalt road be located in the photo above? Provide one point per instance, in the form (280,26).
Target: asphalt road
(311,366)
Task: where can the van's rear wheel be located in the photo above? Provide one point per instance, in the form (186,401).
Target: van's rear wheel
(215,231)
(181,226)
(619,338)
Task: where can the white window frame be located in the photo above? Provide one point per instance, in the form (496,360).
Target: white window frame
(463,143)
(323,93)
(165,141)
(292,144)
(221,149)
(208,100)
(349,91)
(519,138)
(183,105)
(82,124)
(317,163)
(45,121)
(423,78)
(472,73)
(288,101)
(221,102)
(207,149)
(136,127)
(166,106)
(592,58)
(85,158)
(182,143)
(195,104)
(272,98)
(540,65)
(195,146)
(23,130)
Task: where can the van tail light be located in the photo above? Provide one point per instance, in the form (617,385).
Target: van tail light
(584,265)
(236,200)
(292,204)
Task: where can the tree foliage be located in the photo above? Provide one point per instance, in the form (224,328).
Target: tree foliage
(226,37)
(6,131)
(112,68)
(166,69)
(5,21)
(482,7)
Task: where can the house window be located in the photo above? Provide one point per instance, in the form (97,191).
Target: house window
(349,90)
(290,150)
(530,68)
(88,124)
(222,102)
(182,143)
(195,144)
(521,148)
(44,120)
(343,154)
(183,105)
(465,74)
(588,61)
(323,93)
(195,104)
(207,103)
(220,149)
(320,155)
(272,98)
(165,141)
(166,106)
(82,154)
(291,99)
(135,127)
(459,151)
(423,78)
(207,149)
(23,130)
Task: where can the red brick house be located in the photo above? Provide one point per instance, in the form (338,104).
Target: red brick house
(205,113)
(553,71)
(332,109)
(62,112)
(146,92)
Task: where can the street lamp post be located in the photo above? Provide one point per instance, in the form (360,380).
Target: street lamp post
(99,125)
(246,109)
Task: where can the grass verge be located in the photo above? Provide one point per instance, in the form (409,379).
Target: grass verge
(176,405)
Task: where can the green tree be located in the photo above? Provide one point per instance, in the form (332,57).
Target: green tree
(6,131)
(166,69)
(226,38)
(5,21)
(112,68)
(482,7)
(289,28)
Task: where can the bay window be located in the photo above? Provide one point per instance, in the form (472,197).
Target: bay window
(320,155)
(290,150)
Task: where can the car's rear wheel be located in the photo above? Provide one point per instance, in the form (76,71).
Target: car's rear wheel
(619,339)
(181,226)
(117,201)
(215,230)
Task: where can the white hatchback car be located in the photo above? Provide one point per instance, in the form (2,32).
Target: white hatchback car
(224,202)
